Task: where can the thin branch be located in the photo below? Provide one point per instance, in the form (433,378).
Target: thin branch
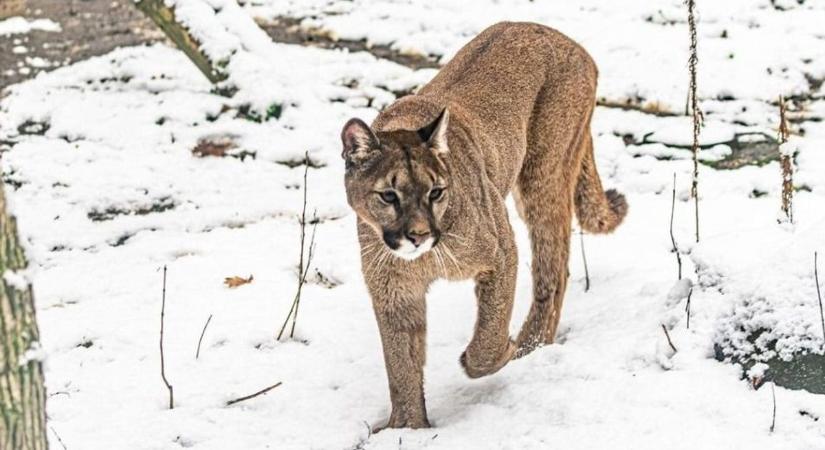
(819,296)
(162,360)
(584,258)
(773,419)
(303,266)
(198,353)
(293,310)
(672,237)
(786,163)
(303,280)
(697,115)
(247,397)
(687,307)
(60,441)
(667,335)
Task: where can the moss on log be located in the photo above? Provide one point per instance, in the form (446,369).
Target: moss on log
(22,394)
(164,18)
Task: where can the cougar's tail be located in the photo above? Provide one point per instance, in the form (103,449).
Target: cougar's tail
(598,211)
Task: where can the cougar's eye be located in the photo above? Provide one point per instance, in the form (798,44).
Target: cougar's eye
(388,197)
(436,193)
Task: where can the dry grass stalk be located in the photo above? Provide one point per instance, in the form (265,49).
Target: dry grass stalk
(303,264)
(59,440)
(819,296)
(672,237)
(694,108)
(203,332)
(162,360)
(584,259)
(773,419)
(687,308)
(786,162)
(669,342)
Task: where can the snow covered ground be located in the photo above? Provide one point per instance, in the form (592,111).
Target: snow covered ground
(100,173)
(19,25)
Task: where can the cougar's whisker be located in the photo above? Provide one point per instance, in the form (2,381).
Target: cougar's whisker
(452,257)
(375,256)
(440,262)
(368,248)
(373,264)
(455,236)
(384,257)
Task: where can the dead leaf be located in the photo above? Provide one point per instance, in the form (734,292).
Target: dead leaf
(216,146)
(233,282)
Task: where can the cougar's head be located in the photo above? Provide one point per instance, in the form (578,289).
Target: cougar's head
(398,183)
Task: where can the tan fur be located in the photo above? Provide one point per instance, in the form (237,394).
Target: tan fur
(509,114)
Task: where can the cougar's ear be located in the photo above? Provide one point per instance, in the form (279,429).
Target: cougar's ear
(435,134)
(359,141)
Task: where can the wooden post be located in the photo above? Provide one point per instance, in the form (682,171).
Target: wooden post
(22,394)
(164,17)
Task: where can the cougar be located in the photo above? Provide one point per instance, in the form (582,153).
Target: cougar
(509,114)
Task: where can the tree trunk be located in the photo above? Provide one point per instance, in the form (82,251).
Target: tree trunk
(22,394)
(164,18)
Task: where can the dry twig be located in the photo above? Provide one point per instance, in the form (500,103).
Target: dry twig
(672,237)
(773,419)
(697,114)
(819,296)
(786,162)
(584,258)
(687,307)
(667,335)
(198,353)
(60,441)
(247,397)
(303,266)
(162,361)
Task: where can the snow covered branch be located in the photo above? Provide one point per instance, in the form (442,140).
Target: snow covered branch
(164,17)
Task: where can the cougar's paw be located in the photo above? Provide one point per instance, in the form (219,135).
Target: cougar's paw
(400,421)
(477,369)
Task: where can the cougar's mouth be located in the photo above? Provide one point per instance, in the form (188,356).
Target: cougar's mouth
(408,251)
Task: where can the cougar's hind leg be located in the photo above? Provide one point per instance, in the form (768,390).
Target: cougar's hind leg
(548,222)
(546,185)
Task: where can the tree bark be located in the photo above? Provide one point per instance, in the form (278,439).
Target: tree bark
(22,394)
(164,17)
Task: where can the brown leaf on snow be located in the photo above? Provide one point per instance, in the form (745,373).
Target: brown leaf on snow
(233,282)
(213,147)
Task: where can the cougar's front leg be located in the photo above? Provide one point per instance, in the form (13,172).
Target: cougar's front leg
(491,348)
(401,316)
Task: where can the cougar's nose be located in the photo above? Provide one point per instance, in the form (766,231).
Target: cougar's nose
(417,236)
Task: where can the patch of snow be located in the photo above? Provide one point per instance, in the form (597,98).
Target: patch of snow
(752,51)
(18,280)
(21,25)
